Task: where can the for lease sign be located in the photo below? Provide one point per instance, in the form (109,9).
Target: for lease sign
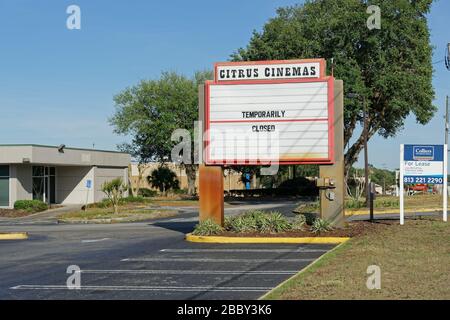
(423,164)
(281,120)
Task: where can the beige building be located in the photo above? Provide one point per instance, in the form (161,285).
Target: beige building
(232,179)
(57,174)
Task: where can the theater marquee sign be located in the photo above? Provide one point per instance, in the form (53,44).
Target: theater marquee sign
(269,112)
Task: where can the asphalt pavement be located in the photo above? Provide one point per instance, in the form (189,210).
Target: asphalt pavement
(148,260)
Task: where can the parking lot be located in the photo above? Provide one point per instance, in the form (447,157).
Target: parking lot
(165,267)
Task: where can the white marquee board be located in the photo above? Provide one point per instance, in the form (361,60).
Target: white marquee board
(260,122)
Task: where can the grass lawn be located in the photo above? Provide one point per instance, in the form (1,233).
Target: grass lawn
(126,214)
(414,261)
(174,203)
(386,204)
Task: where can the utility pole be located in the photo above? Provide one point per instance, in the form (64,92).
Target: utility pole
(366,156)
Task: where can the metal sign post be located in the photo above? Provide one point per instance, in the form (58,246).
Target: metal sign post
(402,186)
(88,187)
(445,190)
(423,164)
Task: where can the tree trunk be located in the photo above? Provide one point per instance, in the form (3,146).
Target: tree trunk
(352,154)
(130,181)
(191,174)
(139,179)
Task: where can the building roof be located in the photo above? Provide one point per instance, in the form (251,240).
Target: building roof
(52,155)
(49,146)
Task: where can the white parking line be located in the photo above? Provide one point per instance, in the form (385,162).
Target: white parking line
(94,240)
(299,250)
(192,272)
(213,260)
(141,288)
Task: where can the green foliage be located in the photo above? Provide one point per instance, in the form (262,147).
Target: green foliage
(275,222)
(299,222)
(257,221)
(164,179)
(180,191)
(380,66)
(207,228)
(105,203)
(308,210)
(153,109)
(114,190)
(147,193)
(355,203)
(30,205)
(387,203)
(382,177)
(310,217)
(131,199)
(380,202)
(321,226)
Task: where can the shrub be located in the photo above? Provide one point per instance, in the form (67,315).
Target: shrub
(321,225)
(30,205)
(207,228)
(275,222)
(250,221)
(132,199)
(309,207)
(355,204)
(180,191)
(164,179)
(105,203)
(243,224)
(147,193)
(299,222)
(258,221)
(310,218)
(114,190)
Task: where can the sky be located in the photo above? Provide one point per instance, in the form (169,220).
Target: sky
(57,85)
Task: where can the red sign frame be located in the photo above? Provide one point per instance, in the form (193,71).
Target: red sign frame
(322,78)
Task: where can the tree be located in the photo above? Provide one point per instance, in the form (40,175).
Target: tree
(390,67)
(138,153)
(153,109)
(164,179)
(114,190)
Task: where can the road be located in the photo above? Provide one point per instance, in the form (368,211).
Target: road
(147,260)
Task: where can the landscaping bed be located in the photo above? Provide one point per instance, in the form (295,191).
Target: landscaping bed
(23,208)
(350,230)
(129,213)
(12,213)
(256,223)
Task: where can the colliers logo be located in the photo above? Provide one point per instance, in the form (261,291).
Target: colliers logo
(423,153)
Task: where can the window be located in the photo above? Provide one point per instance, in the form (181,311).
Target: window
(4,186)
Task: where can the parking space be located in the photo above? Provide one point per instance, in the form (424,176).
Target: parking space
(182,271)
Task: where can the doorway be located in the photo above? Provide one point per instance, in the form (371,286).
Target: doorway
(44,184)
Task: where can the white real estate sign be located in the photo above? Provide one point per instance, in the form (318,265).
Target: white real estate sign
(275,121)
(423,164)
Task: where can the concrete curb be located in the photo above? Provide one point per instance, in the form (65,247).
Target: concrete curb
(219,239)
(309,266)
(395,211)
(13,235)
